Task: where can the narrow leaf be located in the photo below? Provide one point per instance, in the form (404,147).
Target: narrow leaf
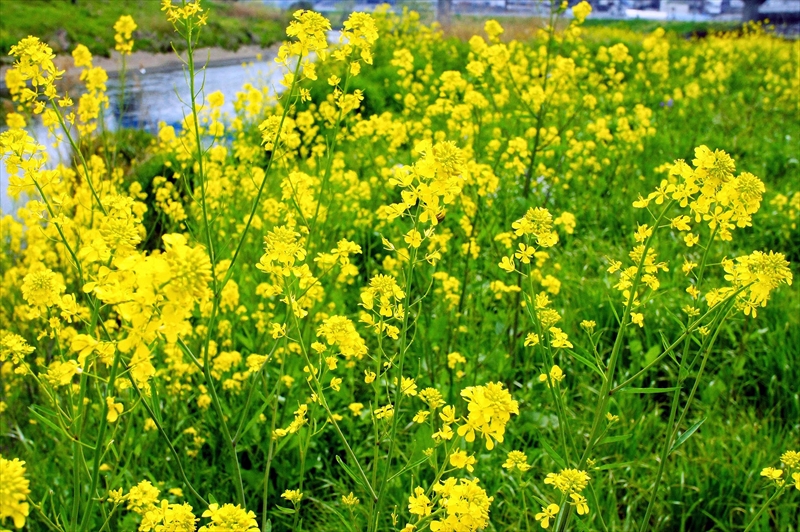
(553,454)
(686,435)
(613,439)
(350,472)
(648,390)
(588,363)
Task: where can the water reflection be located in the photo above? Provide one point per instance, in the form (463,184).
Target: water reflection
(155,96)
(152,97)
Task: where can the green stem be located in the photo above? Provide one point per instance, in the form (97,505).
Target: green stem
(605,396)
(331,418)
(99,442)
(764,507)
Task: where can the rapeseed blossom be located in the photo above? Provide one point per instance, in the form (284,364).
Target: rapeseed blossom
(308,270)
(229,518)
(13,492)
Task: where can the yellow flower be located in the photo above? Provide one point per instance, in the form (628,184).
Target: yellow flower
(531,339)
(773,474)
(507,264)
(413,238)
(82,56)
(455,358)
(172,517)
(448,414)
(142,497)
(548,512)
(581,11)
(216,99)
(124,27)
(278,330)
(489,410)
(579,502)
(13,491)
(493,29)
(691,239)
(228,517)
(637,318)
(350,500)
(421,416)
(517,460)
(293,496)
(408,386)
(791,459)
(461,460)
(419,503)
(465,503)
(114,410)
(42,288)
(384,412)
(567,221)
(431,397)
(681,223)
(14,347)
(568,480)
(559,338)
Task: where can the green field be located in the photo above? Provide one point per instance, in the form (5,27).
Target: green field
(63,24)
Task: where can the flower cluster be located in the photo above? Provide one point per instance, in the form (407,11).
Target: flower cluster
(124,27)
(791,462)
(14,492)
(465,503)
(33,63)
(489,410)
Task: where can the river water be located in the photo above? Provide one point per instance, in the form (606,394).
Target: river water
(152,97)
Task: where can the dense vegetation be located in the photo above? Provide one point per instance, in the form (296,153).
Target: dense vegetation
(435,284)
(64,24)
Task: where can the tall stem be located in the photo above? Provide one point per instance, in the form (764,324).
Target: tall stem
(617,349)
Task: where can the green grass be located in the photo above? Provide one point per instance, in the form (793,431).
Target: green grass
(63,25)
(679,27)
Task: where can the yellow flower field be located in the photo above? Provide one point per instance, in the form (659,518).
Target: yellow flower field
(429,285)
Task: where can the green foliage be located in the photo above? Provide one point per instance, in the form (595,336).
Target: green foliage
(90,22)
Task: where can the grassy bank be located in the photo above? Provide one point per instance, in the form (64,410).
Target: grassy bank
(62,25)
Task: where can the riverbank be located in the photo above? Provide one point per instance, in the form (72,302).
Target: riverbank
(63,24)
(159,62)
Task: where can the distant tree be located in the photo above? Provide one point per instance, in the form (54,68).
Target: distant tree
(750,11)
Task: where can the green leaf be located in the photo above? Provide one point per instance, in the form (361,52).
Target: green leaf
(648,390)
(686,435)
(615,466)
(256,415)
(351,473)
(41,419)
(652,353)
(553,454)
(408,468)
(588,363)
(613,439)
